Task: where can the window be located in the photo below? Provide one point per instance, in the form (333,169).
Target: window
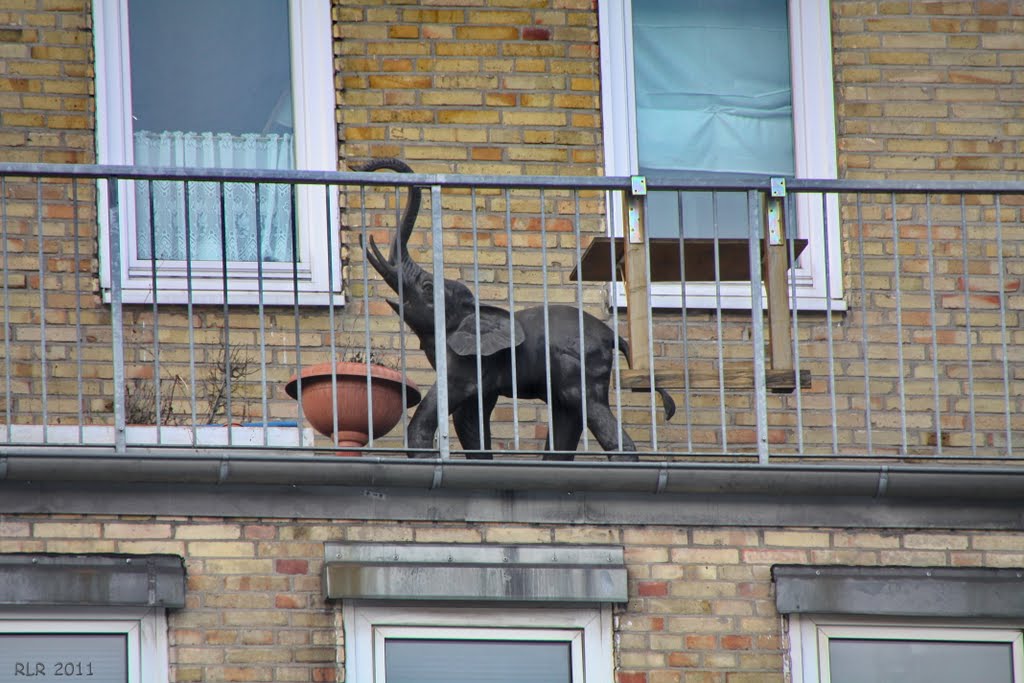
(902,624)
(855,650)
(113,645)
(245,84)
(711,87)
(402,644)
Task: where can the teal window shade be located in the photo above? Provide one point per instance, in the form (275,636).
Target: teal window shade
(910,661)
(713,95)
(468,661)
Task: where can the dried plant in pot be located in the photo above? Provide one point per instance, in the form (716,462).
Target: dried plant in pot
(341,407)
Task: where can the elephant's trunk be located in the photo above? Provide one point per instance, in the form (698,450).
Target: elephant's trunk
(400,239)
(398,263)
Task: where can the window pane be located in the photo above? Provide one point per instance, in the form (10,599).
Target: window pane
(713,89)
(46,658)
(916,661)
(713,94)
(211,88)
(217,66)
(476,661)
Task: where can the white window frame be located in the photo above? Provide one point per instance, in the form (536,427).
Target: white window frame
(586,630)
(810,636)
(814,151)
(144,628)
(319,276)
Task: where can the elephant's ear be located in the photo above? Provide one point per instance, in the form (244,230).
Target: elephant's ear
(494,333)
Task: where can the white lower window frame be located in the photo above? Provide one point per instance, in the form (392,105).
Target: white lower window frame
(810,636)
(145,630)
(586,630)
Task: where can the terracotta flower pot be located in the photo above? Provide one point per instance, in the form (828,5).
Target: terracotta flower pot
(352,401)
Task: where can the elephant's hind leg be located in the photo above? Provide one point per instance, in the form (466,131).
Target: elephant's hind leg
(605,427)
(566,430)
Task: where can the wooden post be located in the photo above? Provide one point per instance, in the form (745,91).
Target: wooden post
(634,276)
(776,280)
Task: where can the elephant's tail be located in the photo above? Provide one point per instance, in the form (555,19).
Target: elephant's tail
(666,398)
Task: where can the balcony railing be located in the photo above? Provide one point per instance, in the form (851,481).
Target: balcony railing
(895,335)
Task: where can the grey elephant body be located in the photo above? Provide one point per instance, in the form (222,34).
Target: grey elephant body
(496,354)
(530,381)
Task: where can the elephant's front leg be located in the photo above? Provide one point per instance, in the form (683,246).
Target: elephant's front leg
(467,426)
(423,425)
(424,422)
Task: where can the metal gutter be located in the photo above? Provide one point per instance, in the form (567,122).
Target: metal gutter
(780,480)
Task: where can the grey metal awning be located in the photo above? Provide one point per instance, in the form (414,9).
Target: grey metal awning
(107,580)
(458,572)
(900,591)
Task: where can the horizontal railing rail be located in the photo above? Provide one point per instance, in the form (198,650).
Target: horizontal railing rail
(202,309)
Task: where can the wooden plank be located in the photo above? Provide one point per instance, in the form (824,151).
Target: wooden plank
(775,260)
(638,311)
(736,375)
(698,254)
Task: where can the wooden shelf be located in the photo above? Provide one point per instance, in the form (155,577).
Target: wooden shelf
(672,259)
(735,375)
(698,257)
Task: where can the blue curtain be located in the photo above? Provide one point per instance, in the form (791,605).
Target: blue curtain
(713,94)
(713,89)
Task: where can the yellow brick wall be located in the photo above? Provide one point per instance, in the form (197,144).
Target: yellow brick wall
(46,103)
(701,602)
(491,87)
(928,89)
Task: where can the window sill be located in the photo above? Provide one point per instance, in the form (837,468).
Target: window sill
(205,435)
(731,296)
(236,297)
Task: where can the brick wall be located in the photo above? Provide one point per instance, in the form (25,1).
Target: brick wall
(929,89)
(46,104)
(489,87)
(701,606)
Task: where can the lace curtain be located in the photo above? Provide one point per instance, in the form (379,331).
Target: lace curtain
(246,240)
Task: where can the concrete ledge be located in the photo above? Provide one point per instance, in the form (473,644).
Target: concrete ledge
(107,580)
(900,591)
(531,574)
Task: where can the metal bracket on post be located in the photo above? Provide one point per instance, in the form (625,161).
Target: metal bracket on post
(634,226)
(778,187)
(774,211)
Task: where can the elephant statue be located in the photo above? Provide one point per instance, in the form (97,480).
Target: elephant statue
(503,338)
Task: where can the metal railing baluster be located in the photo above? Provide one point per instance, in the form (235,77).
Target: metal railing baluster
(865,355)
(933,322)
(828,326)
(5,291)
(969,329)
(44,370)
(754,231)
(440,331)
(1003,337)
